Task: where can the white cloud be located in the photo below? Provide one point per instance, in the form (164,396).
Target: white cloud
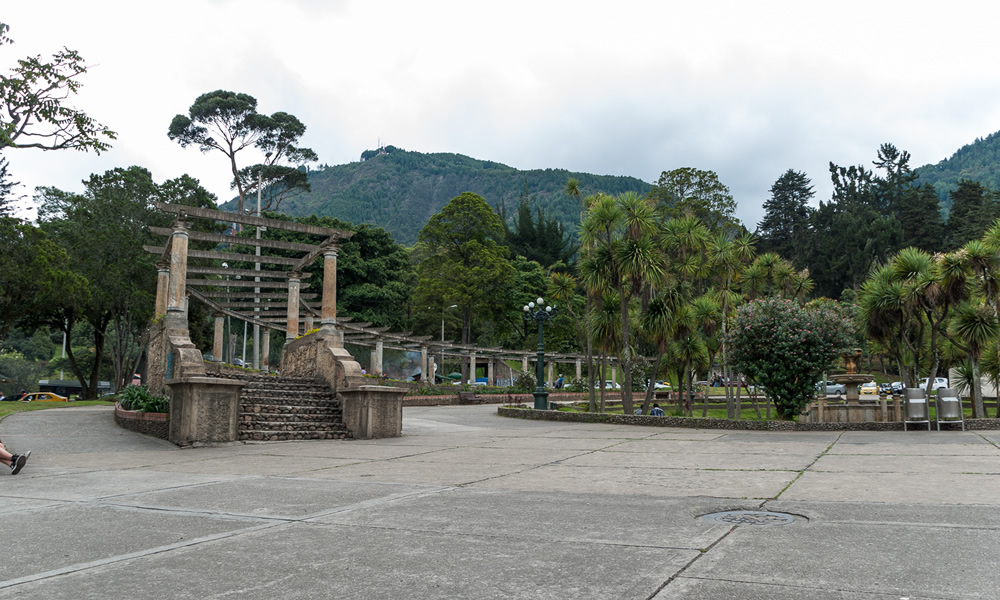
(630,88)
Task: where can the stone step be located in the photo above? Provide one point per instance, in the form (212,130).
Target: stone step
(276,436)
(297,428)
(330,419)
(279,423)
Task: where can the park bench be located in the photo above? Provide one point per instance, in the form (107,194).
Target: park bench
(467,398)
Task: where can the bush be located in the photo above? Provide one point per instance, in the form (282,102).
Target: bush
(524,384)
(786,348)
(137,397)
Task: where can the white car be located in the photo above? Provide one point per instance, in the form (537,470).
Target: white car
(832,389)
(939,382)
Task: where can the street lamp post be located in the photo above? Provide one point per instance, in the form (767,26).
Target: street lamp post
(256,267)
(542,315)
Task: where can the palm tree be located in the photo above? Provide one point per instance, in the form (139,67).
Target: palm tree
(973,328)
(605,327)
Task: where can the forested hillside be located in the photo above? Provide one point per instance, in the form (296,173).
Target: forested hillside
(401,190)
(978,162)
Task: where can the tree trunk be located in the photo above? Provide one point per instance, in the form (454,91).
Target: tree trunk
(978,408)
(591,392)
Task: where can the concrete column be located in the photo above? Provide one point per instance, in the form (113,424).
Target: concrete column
(489,372)
(377,357)
(292,324)
(524,364)
(579,369)
(550,380)
(162,284)
(614,373)
(472,367)
(177,287)
(425,368)
(265,350)
(220,321)
(310,325)
(328,314)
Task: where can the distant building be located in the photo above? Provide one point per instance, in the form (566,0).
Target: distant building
(67,387)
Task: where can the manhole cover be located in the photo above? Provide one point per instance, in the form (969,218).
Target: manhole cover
(751,517)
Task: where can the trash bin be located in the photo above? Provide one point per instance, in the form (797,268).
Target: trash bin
(915,408)
(949,407)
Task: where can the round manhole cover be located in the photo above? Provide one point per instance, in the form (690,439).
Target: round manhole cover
(751,517)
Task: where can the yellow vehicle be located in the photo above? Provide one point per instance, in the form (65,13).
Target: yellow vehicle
(43,397)
(868,390)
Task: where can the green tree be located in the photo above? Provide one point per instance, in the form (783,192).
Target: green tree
(623,257)
(689,191)
(920,219)
(229,123)
(786,348)
(973,209)
(103,231)
(36,114)
(34,273)
(466,263)
(785,225)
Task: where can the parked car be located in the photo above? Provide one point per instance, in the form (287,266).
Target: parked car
(832,389)
(885,388)
(939,382)
(868,390)
(44,397)
(897,387)
(608,385)
(663,386)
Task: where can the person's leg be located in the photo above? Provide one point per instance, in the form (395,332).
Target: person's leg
(4,455)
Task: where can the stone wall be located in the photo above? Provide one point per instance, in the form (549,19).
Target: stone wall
(154,424)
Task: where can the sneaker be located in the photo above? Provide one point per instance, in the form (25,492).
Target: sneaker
(17,463)
(27,455)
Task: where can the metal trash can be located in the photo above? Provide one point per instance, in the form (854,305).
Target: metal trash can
(915,409)
(949,407)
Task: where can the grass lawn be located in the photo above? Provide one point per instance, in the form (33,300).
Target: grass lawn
(7,408)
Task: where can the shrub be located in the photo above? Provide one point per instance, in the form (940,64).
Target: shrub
(785,348)
(137,397)
(525,383)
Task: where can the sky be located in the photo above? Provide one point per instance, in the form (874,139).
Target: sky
(745,89)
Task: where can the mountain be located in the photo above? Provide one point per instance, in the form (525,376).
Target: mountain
(978,161)
(401,190)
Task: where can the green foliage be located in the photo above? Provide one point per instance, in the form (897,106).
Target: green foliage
(400,190)
(542,239)
(35,272)
(525,383)
(22,372)
(978,162)
(786,348)
(784,228)
(35,112)
(688,191)
(465,263)
(229,123)
(973,209)
(137,397)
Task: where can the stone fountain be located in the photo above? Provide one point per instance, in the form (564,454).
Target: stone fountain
(852,379)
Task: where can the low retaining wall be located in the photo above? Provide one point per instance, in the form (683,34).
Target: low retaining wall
(154,424)
(700,423)
(453,399)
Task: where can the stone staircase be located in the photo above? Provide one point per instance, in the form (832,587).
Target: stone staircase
(286,408)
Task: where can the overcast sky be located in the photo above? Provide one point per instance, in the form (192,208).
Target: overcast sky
(746,89)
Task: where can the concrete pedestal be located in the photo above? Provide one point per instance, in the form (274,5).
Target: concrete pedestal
(204,410)
(373,411)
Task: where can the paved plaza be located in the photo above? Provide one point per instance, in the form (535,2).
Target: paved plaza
(471,505)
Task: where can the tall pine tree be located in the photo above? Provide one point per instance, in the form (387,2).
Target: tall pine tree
(784,228)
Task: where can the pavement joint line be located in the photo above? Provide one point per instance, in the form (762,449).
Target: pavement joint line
(807,467)
(690,563)
(132,555)
(500,536)
(804,588)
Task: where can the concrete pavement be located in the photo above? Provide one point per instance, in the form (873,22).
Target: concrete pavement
(471,505)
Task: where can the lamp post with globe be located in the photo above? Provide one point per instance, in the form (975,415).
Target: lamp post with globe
(543,314)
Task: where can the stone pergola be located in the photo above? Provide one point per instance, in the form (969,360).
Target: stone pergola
(204,407)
